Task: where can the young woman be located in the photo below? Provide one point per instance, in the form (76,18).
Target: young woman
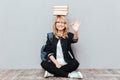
(62,61)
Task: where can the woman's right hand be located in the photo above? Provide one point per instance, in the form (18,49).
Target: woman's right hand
(52,58)
(57,65)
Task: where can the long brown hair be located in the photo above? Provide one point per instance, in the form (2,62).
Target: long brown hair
(55,31)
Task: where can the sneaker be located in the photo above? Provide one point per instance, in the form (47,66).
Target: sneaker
(75,74)
(47,74)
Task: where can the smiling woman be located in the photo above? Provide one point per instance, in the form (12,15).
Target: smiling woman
(60,27)
(61,61)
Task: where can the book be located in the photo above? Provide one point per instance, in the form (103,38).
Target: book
(60,13)
(60,10)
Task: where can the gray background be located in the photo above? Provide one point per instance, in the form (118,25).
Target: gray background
(24,24)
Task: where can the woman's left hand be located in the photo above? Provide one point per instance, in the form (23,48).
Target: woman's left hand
(75,25)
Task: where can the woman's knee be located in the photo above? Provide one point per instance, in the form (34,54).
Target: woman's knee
(44,64)
(75,63)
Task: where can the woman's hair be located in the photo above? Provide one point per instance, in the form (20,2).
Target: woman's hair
(66,30)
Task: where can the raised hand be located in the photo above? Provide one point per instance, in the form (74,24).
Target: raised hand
(75,25)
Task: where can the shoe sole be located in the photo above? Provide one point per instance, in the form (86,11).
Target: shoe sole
(45,75)
(81,76)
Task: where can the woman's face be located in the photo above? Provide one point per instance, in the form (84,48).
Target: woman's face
(60,24)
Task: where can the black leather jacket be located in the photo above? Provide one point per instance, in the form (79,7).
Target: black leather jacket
(51,46)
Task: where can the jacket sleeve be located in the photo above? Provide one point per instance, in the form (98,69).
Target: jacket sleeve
(49,47)
(71,38)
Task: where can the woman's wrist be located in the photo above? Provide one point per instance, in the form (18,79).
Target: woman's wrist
(75,34)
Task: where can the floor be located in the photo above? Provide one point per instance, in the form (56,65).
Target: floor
(37,74)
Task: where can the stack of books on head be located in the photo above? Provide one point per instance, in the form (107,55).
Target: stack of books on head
(60,10)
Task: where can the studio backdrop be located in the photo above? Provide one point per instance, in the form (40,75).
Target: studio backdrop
(24,25)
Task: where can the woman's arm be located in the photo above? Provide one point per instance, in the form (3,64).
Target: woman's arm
(75,35)
(52,58)
(50,52)
(75,27)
